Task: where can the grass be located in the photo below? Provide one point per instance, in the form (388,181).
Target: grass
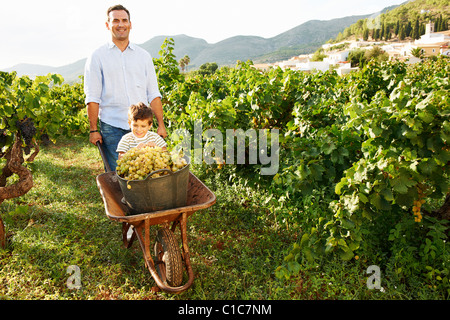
(61,222)
(234,252)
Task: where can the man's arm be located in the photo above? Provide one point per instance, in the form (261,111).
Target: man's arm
(92,111)
(157,109)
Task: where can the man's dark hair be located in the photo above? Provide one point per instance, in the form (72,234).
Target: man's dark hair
(118,7)
(140,111)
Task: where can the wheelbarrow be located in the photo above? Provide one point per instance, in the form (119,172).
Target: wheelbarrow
(167,268)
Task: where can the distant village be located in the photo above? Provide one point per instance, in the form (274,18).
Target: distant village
(431,44)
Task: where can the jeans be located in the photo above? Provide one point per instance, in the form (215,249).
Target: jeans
(111,137)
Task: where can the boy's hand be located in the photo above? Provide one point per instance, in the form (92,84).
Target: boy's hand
(148,144)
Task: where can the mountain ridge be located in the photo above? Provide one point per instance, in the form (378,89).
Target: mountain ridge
(304,38)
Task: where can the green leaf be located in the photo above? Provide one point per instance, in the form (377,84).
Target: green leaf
(339,185)
(387,194)
(294,267)
(353,245)
(347,224)
(7,110)
(346,255)
(282,273)
(379,202)
(309,254)
(426,117)
(363,198)
(328,146)
(305,239)
(402,182)
(427,166)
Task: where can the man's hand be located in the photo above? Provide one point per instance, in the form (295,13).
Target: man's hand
(162,131)
(157,109)
(94,137)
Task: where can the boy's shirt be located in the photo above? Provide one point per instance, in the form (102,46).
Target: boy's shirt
(129,141)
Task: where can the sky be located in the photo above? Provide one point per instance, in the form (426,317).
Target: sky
(56,33)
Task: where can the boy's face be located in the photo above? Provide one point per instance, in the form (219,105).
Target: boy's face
(140,127)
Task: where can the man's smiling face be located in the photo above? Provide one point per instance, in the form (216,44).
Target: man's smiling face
(119,24)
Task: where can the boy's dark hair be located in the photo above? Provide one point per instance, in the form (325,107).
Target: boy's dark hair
(117,7)
(140,111)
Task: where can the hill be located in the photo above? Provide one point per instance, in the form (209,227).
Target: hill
(305,38)
(406,21)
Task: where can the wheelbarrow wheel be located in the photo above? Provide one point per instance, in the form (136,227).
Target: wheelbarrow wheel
(169,262)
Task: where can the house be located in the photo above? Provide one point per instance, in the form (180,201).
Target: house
(346,69)
(394,50)
(337,56)
(433,43)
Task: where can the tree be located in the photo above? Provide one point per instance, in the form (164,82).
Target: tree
(318,55)
(401,34)
(377,54)
(408,29)
(387,32)
(357,58)
(184,62)
(397,27)
(365,34)
(208,68)
(376,35)
(416,31)
(417,52)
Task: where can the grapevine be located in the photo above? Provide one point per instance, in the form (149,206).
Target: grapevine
(29,110)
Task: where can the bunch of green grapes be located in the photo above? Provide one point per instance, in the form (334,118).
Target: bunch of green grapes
(138,163)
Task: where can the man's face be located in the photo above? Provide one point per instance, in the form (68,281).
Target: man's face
(119,25)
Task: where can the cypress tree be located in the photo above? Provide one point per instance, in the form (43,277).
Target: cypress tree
(365,34)
(402,34)
(397,28)
(408,29)
(416,32)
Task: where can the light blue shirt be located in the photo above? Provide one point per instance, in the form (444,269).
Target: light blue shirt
(116,80)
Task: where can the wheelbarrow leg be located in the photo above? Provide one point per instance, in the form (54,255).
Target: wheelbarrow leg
(126,237)
(186,253)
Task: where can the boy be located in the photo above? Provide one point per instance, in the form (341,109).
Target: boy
(140,119)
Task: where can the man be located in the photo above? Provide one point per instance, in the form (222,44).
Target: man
(118,75)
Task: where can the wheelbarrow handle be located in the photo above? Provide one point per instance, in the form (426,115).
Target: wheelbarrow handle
(102,153)
(159,171)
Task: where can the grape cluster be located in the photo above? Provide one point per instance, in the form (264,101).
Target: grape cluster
(138,163)
(27,131)
(416,210)
(2,137)
(417,204)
